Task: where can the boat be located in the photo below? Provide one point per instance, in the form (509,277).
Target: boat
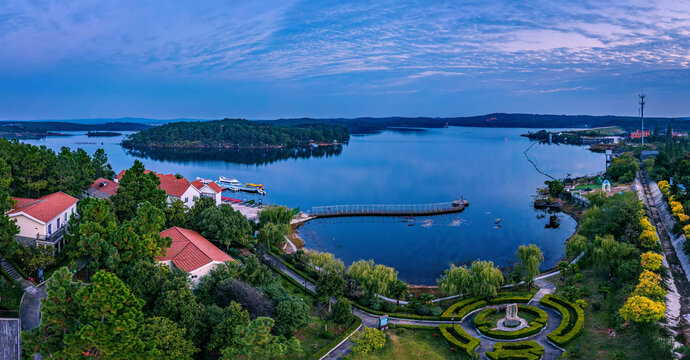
(257,188)
(498,220)
(203,181)
(229,184)
(230,199)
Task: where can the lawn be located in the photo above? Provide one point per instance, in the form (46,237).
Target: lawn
(10,297)
(595,342)
(413,344)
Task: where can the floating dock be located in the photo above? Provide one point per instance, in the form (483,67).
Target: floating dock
(390,210)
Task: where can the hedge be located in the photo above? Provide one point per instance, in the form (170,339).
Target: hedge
(462,308)
(290,279)
(519,350)
(294,269)
(319,354)
(457,336)
(572,323)
(486,327)
(414,327)
(395,315)
(514,297)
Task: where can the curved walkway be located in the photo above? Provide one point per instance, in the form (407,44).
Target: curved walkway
(30,308)
(371,320)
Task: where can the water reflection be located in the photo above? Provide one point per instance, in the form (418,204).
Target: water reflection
(237,156)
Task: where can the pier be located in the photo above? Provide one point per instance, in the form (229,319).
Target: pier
(390,209)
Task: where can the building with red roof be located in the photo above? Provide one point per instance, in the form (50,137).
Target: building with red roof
(191,253)
(176,189)
(209,189)
(43,220)
(102,188)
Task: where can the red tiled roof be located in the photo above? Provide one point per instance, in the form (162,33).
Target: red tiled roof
(169,183)
(45,208)
(190,251)
(109,187)
(198,184)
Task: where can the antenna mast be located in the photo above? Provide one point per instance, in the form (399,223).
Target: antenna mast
(642,96)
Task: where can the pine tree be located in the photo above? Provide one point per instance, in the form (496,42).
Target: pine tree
(8,229)
(135,188)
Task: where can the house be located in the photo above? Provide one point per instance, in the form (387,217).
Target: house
(209,189)
(43,221)
(102,188)
(191,253)
(176,189)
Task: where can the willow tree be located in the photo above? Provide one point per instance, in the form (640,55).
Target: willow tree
(481,279)
(373,278)
(528,260)
(323,261)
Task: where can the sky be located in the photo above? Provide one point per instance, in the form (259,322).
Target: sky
(278,59)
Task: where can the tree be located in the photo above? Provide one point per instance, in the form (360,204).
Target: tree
(59,315)
(148,280)
(555,187)
(226,332)
(329,285)
(226,226)
(8,228)
(368,340)
(176,214)
(292,314)
(399,291)
(650,286)
(181,306)
(323,261)
(139,238)
(651,261)
(373,278)
(623,168)
(275,215)
(167,339)
(90,233)
(482,279)
(194,214)
(110,320)
(232,290)
(342,311)
(256,342)
(273,234)
(136,187)
(640,309)
(102,168)
(528,260)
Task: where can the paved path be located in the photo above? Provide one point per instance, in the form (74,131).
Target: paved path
(30,309)
(545,287)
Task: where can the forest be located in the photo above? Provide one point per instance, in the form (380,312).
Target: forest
(235,133)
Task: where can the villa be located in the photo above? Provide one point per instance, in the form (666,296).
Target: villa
(102,188)
(191,253)
(43,221)
(176,189)
(209,189)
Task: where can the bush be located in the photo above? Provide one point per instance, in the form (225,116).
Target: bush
(572,322)
(342,311)
(423,310)
(376,306)
(529,350)
(512,297)
(457,336)
(368,340)
(462,308)
(436,311)
(390,307)
(486,327)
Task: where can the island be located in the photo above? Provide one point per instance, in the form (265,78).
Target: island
(102,134)
(237,133)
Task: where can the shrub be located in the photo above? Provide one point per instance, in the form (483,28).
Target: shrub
(512,297)
(485,325)
(368,340)
(529,350)
(436,311)
(572,322)
(652,261)
(342,311)
(423,310)
(376,306)
(462,308)
(641,309)
(457,336)
(390,307)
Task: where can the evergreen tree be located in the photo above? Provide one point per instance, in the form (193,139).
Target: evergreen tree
(137,187)
(110,321)
(102,168)
(176,214)
(167,340)
(90,234)
(8,229)
(255,341)
(226,226)
(226,332)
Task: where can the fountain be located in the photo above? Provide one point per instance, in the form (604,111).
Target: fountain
(511,320)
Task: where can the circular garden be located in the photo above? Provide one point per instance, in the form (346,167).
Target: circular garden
(490,322)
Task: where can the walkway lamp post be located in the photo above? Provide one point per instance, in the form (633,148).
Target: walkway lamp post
(452,319)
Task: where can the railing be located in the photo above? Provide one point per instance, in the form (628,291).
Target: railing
(389,210)
(51,239)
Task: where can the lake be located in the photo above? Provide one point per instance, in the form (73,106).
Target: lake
(486,166)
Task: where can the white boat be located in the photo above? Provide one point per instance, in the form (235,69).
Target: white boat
(203,181)
(230,184)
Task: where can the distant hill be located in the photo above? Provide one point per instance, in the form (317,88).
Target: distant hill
(74,126)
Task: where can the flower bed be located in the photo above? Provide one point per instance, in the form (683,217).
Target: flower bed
(573,319)
(527,350)
(486,325)
(457,336)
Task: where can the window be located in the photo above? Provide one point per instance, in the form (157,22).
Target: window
(66,217)
(194,276)
(50,229)
(186,199)
(58,223)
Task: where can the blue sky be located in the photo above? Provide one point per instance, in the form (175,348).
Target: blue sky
(270,59)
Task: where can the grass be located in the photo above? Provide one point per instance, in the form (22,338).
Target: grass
(594,342)
(10,297)
(600,131)
(412,345)
(318,334)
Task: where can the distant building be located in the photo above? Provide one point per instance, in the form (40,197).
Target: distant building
(176,189)
(43,221)
(102,188)
(209,189)
(638,134)
(191,253)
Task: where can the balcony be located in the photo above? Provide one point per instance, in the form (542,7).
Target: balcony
(52,239)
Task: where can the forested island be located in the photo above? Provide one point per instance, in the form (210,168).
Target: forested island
(102,134)
(237,133)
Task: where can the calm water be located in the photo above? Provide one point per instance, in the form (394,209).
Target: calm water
(485,166)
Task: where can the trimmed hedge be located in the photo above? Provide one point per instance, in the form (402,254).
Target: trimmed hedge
(395,315)
(572,323)
(319,354)
(413,327)
(514,297)
(457,336)
(293,281)
(485,326)
(519,350)
(462,308)
(294,269)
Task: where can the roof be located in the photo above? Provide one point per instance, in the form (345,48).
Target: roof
(198,184)
(169,183)
(105,185)
(45,208)
(190,251)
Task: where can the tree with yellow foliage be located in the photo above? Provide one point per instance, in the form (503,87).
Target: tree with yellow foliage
(651,261)
(641,309)
(650,286)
